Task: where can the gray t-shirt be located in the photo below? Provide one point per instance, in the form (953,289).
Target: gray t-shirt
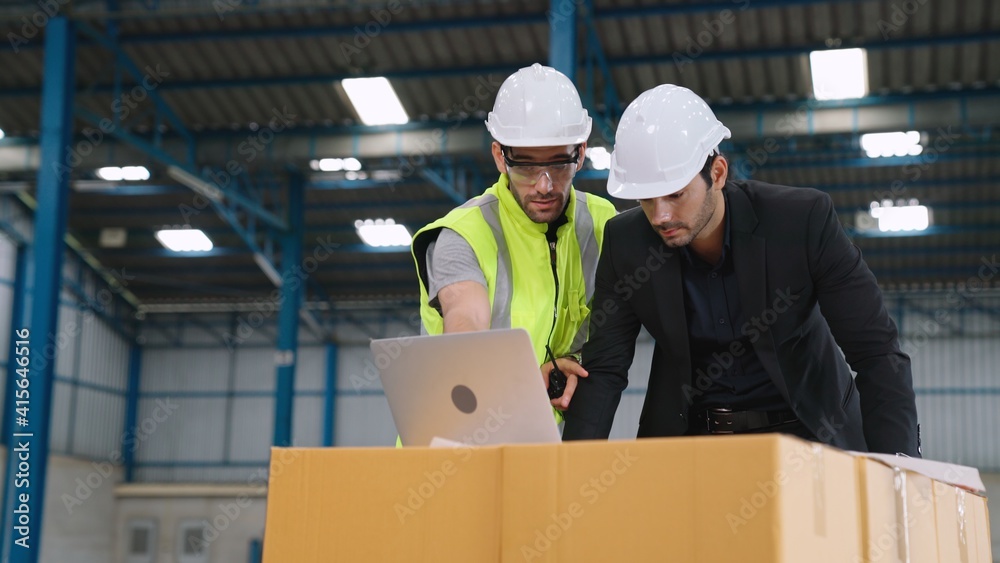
(450,259)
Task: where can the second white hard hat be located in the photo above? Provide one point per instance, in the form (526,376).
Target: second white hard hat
(663,141)
(538,106)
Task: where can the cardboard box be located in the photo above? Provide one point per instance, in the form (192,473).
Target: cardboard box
(765,498)
(897,515)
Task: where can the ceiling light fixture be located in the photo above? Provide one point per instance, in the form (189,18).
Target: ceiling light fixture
(375,101)
(839,74)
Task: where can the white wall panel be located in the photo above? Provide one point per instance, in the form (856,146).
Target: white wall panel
(67,341)
(310,371)
(187,370)
(364,420)
(59,423)
(255,370)
(192,432)
(99,423)
(251,429)
(307,426)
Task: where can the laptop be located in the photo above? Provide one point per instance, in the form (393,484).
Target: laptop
(475,388)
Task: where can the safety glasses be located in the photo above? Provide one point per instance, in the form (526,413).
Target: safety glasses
(525,173)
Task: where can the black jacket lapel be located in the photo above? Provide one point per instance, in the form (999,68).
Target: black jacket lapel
(750,262)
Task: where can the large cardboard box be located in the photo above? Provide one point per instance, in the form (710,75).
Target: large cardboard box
(763,498)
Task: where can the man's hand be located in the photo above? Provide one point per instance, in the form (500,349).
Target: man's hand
(573,371)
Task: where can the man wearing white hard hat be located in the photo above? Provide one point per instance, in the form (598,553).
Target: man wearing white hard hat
(522,254)
(759,304)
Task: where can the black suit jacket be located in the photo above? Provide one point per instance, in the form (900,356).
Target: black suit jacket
(804,289)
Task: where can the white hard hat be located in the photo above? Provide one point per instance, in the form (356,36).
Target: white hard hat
(663,141)
(538,106)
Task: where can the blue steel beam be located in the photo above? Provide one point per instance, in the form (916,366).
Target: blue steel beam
(129,432)
(442,184)
(288,316)
(123,61)
(562,36)
(330,395)
(596,62)
(29,457)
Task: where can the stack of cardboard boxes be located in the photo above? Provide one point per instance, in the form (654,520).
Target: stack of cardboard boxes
(764,498)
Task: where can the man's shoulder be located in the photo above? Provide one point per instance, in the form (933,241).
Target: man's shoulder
(765,191)
(629,219)
(766,197)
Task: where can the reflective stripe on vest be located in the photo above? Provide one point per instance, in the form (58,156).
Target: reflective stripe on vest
(503,288)
(586,238)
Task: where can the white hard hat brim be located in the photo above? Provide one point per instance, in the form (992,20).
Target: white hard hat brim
(513,136)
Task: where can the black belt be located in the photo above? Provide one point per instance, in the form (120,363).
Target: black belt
(728,421)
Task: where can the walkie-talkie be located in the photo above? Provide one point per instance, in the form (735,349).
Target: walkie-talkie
(557,379)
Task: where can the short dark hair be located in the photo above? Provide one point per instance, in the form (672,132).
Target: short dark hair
(706,171)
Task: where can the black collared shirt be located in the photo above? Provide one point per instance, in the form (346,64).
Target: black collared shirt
(724,365)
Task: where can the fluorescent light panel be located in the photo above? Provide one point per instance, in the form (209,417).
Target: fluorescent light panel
(350,164)
(896,143)
(839,74)
(599,157)
(2,134)
(379,232)
(375,101)
(119,173)
(893,218)
(184,240)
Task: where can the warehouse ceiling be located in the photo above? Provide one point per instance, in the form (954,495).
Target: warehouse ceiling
(251,94)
